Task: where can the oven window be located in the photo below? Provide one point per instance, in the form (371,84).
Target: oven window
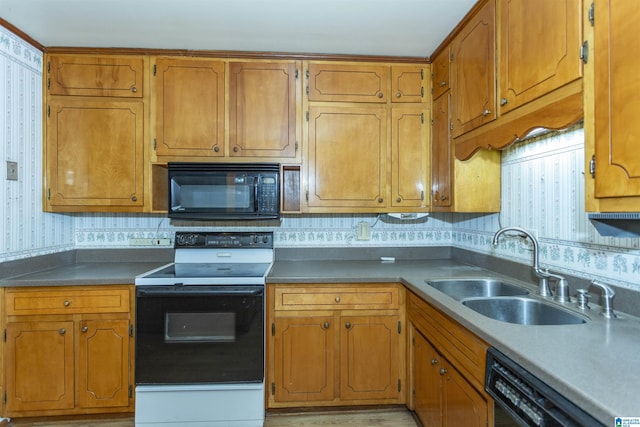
(216,196)
(199,327)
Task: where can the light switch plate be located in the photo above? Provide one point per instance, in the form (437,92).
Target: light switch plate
(12,171)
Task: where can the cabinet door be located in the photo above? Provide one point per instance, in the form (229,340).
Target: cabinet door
(94,154)
(304,358)
(441,155)
(427,381)
(473,72)
(189,96)
(538,42)
(262,109)
(369,357)
(348,155)
(94,75)
(617,99)
(39,366)
(462,405)
(407,83)
(440,76)
(409,156)
(103,363)
(348,82)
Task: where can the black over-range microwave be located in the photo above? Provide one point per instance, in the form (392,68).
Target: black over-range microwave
(224,191)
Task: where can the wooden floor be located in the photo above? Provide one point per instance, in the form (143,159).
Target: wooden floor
(359,418)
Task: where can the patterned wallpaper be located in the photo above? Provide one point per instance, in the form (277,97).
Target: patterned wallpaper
(542,190)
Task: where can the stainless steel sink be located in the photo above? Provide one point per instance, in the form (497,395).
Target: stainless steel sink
(523,311)
(467,288)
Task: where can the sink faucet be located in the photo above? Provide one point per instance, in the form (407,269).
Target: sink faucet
(607,299)
(562,288)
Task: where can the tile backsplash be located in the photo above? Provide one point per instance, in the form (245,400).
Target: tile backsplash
(542,190)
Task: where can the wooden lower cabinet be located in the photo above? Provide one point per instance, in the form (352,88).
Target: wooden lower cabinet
(447,370)
(63,364)
(337,350)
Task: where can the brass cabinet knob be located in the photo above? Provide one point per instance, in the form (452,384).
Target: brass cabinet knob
(380,200)
(134,198)
(504,101)
(443,371)
(347,325)
(62,331)
(434,361)
(236,149)
(443,83)
(380,95)
(337,299)
(134,89)
(398,94)
(486,112)
(84,329)
(67,303)
(216,149)
(325,325)
(399,199)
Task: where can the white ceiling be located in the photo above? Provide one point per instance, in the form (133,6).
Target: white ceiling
(364,27)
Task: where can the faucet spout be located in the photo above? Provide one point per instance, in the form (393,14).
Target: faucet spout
(543,276)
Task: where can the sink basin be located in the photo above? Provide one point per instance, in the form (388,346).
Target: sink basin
(523,311)
(468,288)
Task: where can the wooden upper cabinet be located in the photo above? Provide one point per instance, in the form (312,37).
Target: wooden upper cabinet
(617,103)
(95,75)
(441,155)
(409,156)
(262,109)
(473,72)
(348,157)
(189,101)
(440,73)
(94,154)
(539,44)
(348,82)
(407,83)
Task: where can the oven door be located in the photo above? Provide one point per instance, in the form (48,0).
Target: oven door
(199,334)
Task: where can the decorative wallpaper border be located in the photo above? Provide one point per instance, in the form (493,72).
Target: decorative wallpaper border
(20,51)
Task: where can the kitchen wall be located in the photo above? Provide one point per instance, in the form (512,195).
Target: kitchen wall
(542,190)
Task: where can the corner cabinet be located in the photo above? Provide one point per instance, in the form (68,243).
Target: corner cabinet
(612,108)
(68,350)
(448,367)
(335,345)
(367,137)
(94,133)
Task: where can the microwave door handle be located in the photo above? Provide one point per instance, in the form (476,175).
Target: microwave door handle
(255,194)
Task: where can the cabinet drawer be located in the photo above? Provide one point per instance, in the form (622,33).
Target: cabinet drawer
(93,75)
(318,297)
(32,302)
(462,348)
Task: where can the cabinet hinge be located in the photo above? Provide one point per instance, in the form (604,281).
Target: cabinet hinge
(592,14)
(306,195)
(155,69)
(48,110)
(273,329)
(307,73)
(48,193)
(296,74)
(4,397)
(422,92)
(584,51)
(307,113)
(273,389)
(154,144)
(307,90)
(49,62)
(592,166)
(450,124)
(4,336)
(130,330)
(422,118)
(48,83)
(432,122)
(399,385)
(451,56)
(422,74)
(296,145)
(399,327)
(130,391)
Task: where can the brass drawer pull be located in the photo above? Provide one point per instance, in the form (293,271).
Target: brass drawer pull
(337,299)
(67,303)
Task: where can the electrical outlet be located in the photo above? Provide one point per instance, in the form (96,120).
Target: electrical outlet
(12,171)
(364,233)
(149,242)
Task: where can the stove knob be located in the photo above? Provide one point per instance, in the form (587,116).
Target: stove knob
(265,239)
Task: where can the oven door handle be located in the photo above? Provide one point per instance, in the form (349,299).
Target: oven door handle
(172,291)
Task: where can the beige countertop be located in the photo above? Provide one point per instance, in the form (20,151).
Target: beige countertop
(595,365)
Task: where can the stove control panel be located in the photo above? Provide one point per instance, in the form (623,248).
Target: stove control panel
(241,240)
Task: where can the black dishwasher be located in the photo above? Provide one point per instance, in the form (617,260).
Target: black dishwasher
(528,400)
